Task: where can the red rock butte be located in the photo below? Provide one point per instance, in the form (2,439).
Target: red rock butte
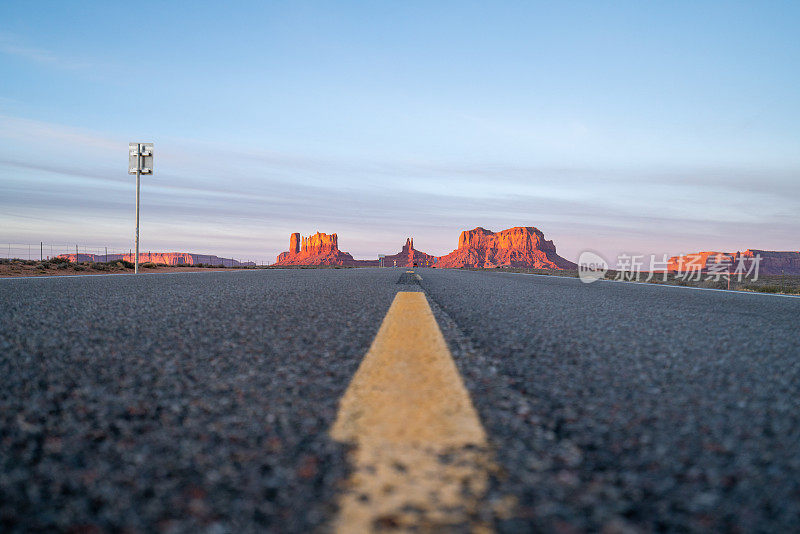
(318,249)
(323,249)
(522,246)
(773,262)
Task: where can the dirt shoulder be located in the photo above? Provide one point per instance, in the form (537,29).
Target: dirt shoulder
(780,284)
(16,268)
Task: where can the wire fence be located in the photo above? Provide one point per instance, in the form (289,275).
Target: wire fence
(78,253)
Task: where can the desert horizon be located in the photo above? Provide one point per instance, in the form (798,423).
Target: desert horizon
(415,267)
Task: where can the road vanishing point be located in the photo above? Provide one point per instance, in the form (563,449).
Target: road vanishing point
(372,400)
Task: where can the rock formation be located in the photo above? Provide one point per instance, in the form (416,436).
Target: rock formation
(408,257)
(317,249)
(515,247)
(772,262)
(162,258)
(692,261)
(323,249)
(775,262)
(521,246)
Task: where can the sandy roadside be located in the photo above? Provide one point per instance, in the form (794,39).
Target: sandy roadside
(16,270)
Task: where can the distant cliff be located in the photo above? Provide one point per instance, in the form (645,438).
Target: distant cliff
(521,246)
(165,258)
(772,262)
(515,247)
(408,257)
(323,249)
(318,249)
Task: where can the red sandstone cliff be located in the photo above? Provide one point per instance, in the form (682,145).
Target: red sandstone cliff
(318,249)
(521,246)
(515,247)
(408,257)
(323,249)
(772,262)
(163,258)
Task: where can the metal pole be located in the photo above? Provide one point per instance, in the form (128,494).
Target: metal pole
(76,254)
(138,173)
(41,250)
(106,254)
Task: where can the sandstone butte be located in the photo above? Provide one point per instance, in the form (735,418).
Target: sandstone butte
(773,262)
(515,247)
(323,249)
(521,246)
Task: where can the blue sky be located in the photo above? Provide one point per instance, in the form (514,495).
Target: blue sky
(643,127)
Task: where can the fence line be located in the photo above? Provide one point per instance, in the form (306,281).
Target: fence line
(93,253)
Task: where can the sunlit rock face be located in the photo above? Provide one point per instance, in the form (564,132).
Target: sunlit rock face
(323,249)
(317,249)
(772,262)
(699,260)
(521,246)
(294,243)
(408,257)
(161,258)
(515,247)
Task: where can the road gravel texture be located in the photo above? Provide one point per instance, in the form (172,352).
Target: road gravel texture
(201,402)
(180,402)
(623,408)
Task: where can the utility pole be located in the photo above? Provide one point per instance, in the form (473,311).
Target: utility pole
(41,250)
(140,161)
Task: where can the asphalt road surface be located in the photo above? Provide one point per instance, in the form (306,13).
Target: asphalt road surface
(204,402)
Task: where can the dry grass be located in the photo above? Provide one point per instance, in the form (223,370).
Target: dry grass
(63,267)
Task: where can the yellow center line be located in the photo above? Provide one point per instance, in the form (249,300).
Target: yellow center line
(420,459)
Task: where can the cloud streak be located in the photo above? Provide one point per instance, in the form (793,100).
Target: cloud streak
(250,200)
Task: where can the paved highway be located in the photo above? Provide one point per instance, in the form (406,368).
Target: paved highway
(292,400)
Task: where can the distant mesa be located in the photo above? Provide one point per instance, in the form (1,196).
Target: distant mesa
(773,262)
(164,258)
(522,246)
(409,256)
(323,249)
(318,249)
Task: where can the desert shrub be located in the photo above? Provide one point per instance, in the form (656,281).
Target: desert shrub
(765,288)
(62,266)
(58,260)
(107,266)
(148,265)
(80,268)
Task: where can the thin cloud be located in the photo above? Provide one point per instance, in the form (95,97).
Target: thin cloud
(10,47)
(38,131)
(272,193)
